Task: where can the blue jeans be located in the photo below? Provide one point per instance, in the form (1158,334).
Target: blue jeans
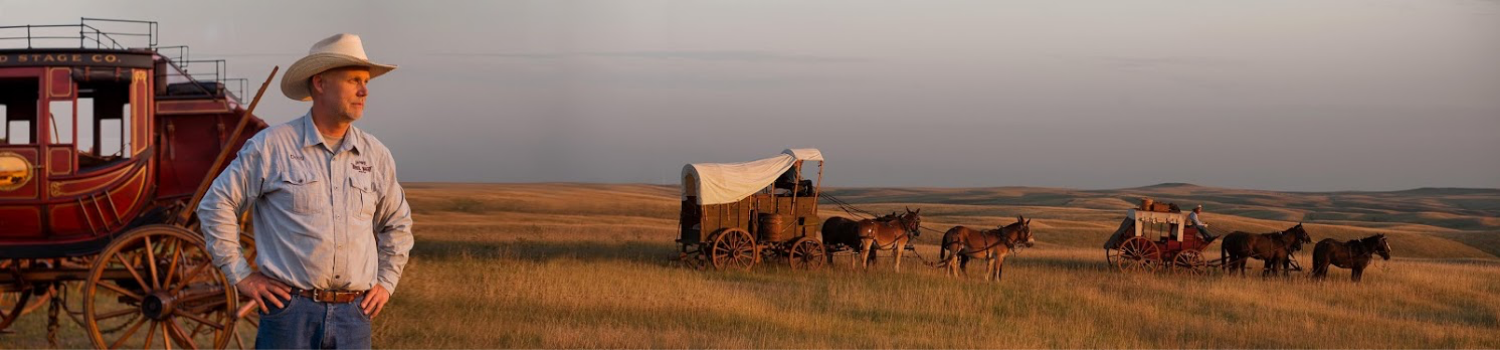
(1203,232)
(307,324)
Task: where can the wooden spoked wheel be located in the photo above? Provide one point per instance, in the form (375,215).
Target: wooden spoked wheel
(1190,262)
(161,274)
(733,249)
(808,254)
(1138,254)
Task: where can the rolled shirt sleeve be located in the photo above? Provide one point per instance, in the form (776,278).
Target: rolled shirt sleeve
(225,202)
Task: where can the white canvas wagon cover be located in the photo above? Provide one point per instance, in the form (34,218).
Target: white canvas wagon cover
(718,183)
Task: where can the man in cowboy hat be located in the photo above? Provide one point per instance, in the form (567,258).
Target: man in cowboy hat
(1198,224)
(333,228)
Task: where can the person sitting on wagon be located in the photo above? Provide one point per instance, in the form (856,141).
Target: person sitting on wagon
(788,181)
(1198,224)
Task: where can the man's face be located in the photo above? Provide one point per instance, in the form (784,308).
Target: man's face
(342,91)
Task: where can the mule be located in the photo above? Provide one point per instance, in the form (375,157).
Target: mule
(1354,255)
(962,243)
(841,230)
(1275,248)
(889,234)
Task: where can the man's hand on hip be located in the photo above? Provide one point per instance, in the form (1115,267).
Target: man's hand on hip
(264,290)
(375,300)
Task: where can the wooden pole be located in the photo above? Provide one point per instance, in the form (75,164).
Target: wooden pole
(213,171)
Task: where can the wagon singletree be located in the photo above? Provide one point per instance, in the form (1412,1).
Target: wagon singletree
(734,215)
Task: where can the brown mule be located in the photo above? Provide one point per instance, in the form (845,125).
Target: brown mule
(890,234)
(845,231)
(1275,248)
(1354,255)
(962,243)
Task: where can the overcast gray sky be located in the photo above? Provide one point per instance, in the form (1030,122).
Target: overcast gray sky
(1286,95)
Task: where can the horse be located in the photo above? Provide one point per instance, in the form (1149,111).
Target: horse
(888,234)
(841,230)
(1275,248)
(1354,255)
(962,243)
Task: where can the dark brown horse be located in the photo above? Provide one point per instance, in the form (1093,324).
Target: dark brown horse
(888,234)
(841,230)
(962,243)
(1275,248)
(1354,255)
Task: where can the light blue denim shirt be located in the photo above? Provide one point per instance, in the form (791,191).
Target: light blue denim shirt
(324,218)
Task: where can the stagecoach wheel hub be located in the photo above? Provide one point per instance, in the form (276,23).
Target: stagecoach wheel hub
(158,305)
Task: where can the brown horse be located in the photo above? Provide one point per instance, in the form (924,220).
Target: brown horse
(962,243)
(840,230)
(888,234)
(1275,248)
(1354,255)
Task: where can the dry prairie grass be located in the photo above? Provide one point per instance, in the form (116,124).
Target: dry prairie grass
(589,266)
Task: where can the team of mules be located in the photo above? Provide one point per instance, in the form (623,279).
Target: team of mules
(960,244)
(1354,255)
(890,232)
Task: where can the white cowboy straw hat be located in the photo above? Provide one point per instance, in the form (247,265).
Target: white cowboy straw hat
(340,50)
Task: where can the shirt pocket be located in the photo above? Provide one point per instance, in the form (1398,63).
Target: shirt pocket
(304,191)
(360,182)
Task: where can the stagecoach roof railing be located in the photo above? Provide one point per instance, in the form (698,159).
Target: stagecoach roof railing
(92,33)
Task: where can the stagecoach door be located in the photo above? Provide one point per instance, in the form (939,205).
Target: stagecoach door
(22,157)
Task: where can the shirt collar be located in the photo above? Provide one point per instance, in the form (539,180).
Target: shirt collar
(311,136)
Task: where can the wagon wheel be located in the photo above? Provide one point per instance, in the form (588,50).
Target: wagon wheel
(808,254)
(1138,254)
(733,249)
(1190,262)
(161,274)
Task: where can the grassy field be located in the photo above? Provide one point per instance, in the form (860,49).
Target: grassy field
(589,265)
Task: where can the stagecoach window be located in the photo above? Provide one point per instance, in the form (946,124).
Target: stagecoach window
(5,137)
(17,132)
(19,102)
(60,115)
(103,129)
(112,132)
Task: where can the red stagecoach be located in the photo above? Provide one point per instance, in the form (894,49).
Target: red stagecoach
(108,143)
(1155,240)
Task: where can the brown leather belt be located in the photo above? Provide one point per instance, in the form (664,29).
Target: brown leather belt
(329,296)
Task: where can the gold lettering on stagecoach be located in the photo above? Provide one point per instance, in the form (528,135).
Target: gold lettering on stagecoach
(15,171)
(61,58)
